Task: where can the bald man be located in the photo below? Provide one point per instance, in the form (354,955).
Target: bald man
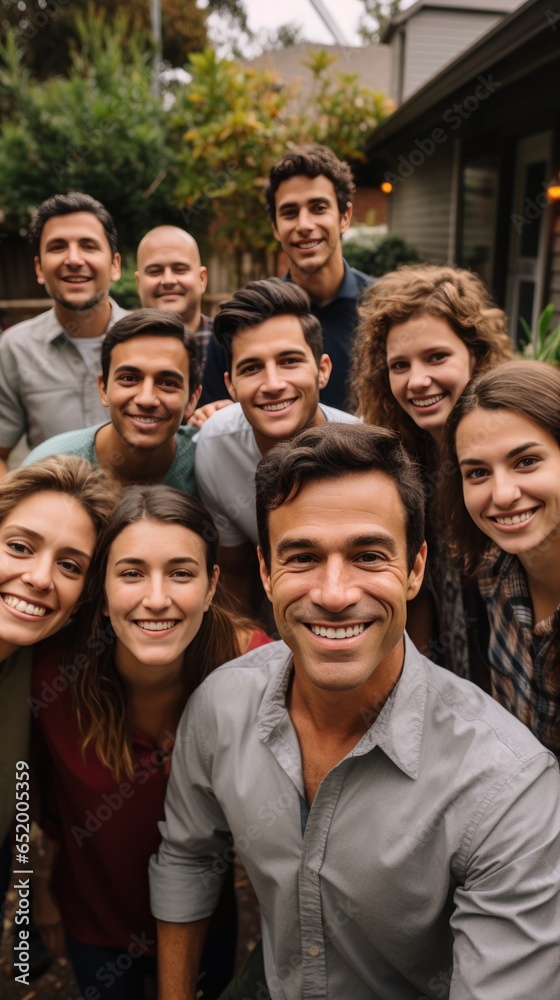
(171,277)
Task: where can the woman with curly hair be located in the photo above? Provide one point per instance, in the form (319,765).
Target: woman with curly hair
(158,624)
(424,331)
(505,435)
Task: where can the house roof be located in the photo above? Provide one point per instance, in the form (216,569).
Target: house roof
(476,6)
(370,62)
(523,25)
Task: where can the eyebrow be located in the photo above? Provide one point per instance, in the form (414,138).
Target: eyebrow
(172,372)
(41,538)
(289,353)
(134,561)
(163,264)
(53,240)
(427,350)
(511,454)
(356,542)
(323,199)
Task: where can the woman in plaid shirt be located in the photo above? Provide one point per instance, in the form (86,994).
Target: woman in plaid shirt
(505,434)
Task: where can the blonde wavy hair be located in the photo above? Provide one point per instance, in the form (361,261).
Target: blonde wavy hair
(455,295)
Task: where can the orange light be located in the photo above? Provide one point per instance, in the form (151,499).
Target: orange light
(553,192)
(387,187)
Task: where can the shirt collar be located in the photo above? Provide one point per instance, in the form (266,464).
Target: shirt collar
(348,290)
(54,329)
(397,730)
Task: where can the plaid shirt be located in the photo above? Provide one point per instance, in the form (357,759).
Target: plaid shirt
(204,334)
(524,657)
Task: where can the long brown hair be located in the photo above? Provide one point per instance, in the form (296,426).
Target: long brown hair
(530,388)
(101,698)
(455,295)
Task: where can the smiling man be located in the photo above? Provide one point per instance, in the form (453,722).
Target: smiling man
(276,370)
(149,381)
(309,201)
(401,830)
(49,364)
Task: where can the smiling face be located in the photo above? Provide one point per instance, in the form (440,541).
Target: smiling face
(511,480)
(170,275)
(156,591)
(275,378)
(339,581)
(429,366)
(147,390)
(308,223)
(46,545)
(75,262)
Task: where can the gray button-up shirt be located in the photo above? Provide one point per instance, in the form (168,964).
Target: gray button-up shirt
(428,865)
(46,387)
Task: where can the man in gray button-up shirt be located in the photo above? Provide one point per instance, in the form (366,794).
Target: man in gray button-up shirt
(49,365)
(401,829)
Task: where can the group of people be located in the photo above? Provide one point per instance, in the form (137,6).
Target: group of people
(399,818)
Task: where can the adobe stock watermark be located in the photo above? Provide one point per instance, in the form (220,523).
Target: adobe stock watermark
(533,208)
(454,116)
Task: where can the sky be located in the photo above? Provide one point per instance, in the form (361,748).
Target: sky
(267,14)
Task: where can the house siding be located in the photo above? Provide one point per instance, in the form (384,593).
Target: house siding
(434,38)
(420,206)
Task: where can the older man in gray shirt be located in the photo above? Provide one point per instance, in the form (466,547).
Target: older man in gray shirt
(49,365)
(401,830)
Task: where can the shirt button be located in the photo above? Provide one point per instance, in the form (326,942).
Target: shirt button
(314,951)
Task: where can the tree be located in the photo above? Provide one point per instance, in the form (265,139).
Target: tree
(377,14)
(48,29)
(100,129)
(196,155)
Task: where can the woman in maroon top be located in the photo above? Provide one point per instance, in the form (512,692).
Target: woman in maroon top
(157,625)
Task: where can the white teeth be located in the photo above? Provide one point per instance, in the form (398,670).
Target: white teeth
(337,633)
(19,605)
(153,626)
(429,401)
(308,246)
(145,420)
(516,518)
(278,406)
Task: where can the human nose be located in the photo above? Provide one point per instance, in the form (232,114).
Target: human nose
(156,597)
(168,278)
(146,393)
(505,490)
(273,379)
(305,222)
(39,573)
(333,588)
(418,377)
(74,255)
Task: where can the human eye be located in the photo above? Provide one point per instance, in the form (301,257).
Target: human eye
(528,462)
(301,559)
(472,475)
(71,567)
(127,378)
(290,361)
(89,246)
(438,356)
(370,558)
(182,574)
(20,548)
(130,574)
(249,369)
(169,383)
(398,366)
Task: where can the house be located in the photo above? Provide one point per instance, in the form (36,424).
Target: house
(473,155)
